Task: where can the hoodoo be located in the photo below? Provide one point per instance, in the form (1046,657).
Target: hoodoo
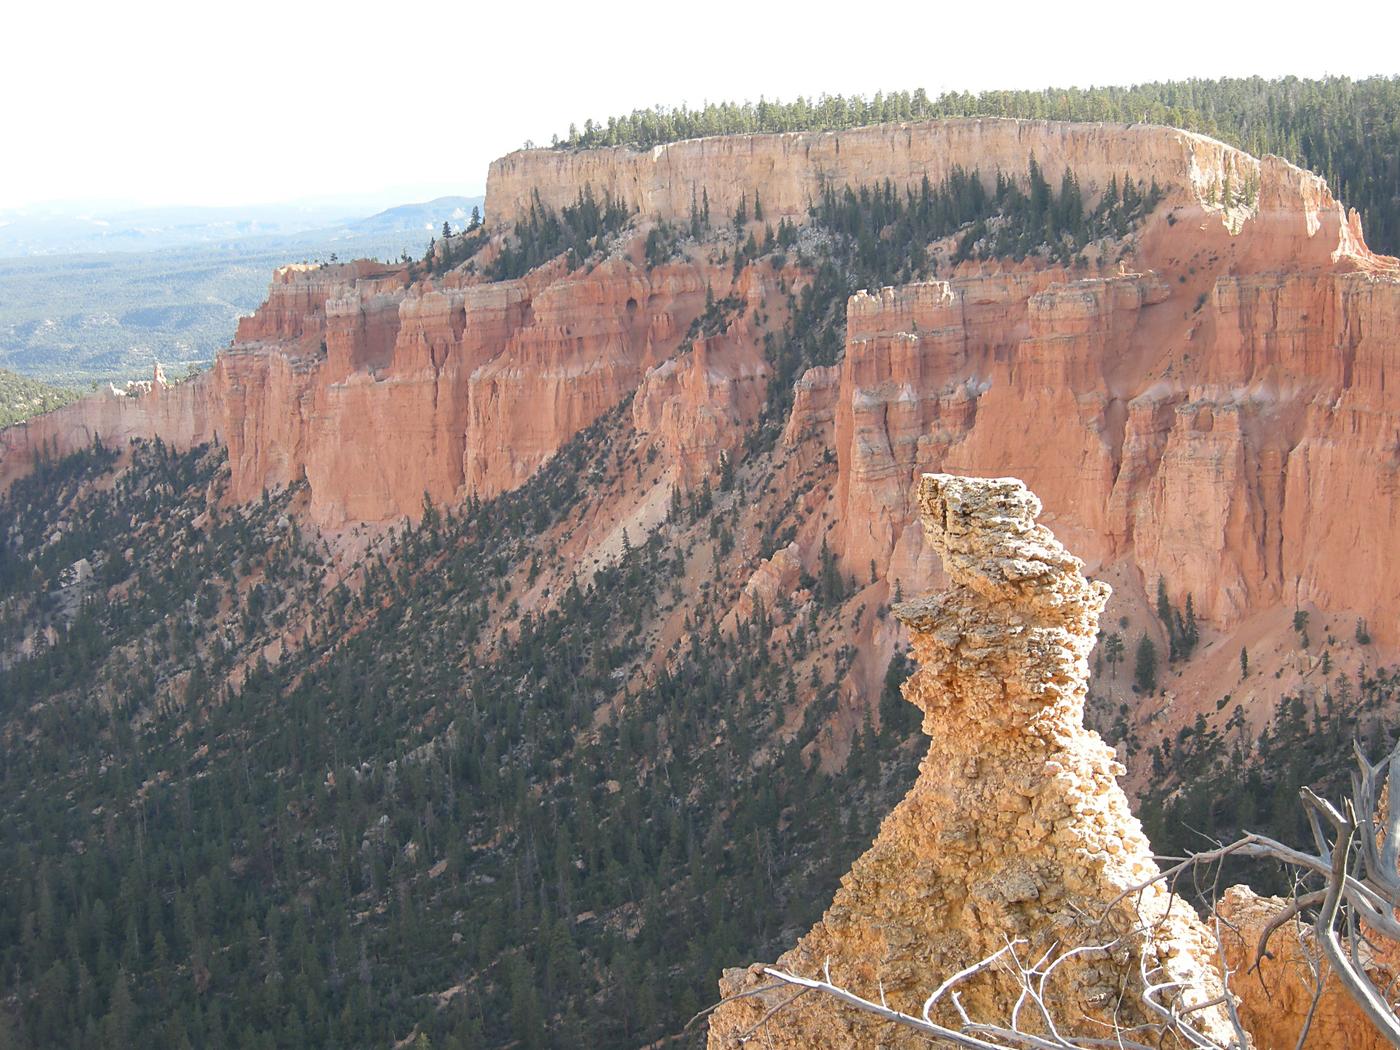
(1016,830)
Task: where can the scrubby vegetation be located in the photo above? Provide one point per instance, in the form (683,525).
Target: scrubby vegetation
(1215,784)
(577,231)
(885,233)
(878,235)
(22,397)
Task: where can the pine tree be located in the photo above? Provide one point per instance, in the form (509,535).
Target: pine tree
(121,1012)
(1145,665)
(1113,651)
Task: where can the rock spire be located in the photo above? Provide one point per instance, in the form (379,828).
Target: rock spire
(1016,827)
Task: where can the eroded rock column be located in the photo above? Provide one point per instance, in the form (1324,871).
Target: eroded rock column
(1016,827)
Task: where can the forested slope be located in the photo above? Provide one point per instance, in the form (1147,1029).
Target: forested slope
(22,397)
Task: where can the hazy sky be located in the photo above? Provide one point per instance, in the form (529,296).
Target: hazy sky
(201,102)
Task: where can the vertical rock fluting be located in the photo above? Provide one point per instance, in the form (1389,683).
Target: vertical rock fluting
(790,170)
(1242,450)
(1016,826)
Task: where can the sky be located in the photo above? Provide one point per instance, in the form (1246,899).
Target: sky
(156,103)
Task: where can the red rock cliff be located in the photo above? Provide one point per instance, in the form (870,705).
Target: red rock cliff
(1245,450)
(1214,410)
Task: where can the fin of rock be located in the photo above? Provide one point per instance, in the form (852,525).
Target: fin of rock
(1016,827)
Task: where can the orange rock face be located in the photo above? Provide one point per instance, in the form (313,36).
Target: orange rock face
(1246,477)
(1213,410)
(1276,998)
(1192,417)
(377,392)
(181,415)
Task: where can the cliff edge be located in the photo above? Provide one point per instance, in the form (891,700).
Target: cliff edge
(789,172)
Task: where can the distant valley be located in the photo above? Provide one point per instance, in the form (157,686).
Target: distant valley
(82,302)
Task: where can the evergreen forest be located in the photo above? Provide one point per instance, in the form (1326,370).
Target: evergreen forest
(22,397)
(385,836)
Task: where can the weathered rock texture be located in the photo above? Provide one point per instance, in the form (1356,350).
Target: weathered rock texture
(1237,440)
(1275,998)
(1214,413)
(1015,828)
(377,391)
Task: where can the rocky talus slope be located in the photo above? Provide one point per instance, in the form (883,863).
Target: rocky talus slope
(1016,827)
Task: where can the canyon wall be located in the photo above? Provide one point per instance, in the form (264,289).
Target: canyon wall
(790,171)
(1214,413)
(1245,452)
(378,391)
(182,415)
(1210,406)
(1016,829)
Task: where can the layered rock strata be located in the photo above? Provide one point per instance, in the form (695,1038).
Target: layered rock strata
(1240,444)
(1016,827)
(378,392)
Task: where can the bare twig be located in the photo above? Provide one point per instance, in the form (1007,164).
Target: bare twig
(747,993)
(1299,904)
(979,1037)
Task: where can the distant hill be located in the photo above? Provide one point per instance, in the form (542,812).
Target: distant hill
(91,228)
(76,318)
(22,397)
(428,216)
(67,229)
